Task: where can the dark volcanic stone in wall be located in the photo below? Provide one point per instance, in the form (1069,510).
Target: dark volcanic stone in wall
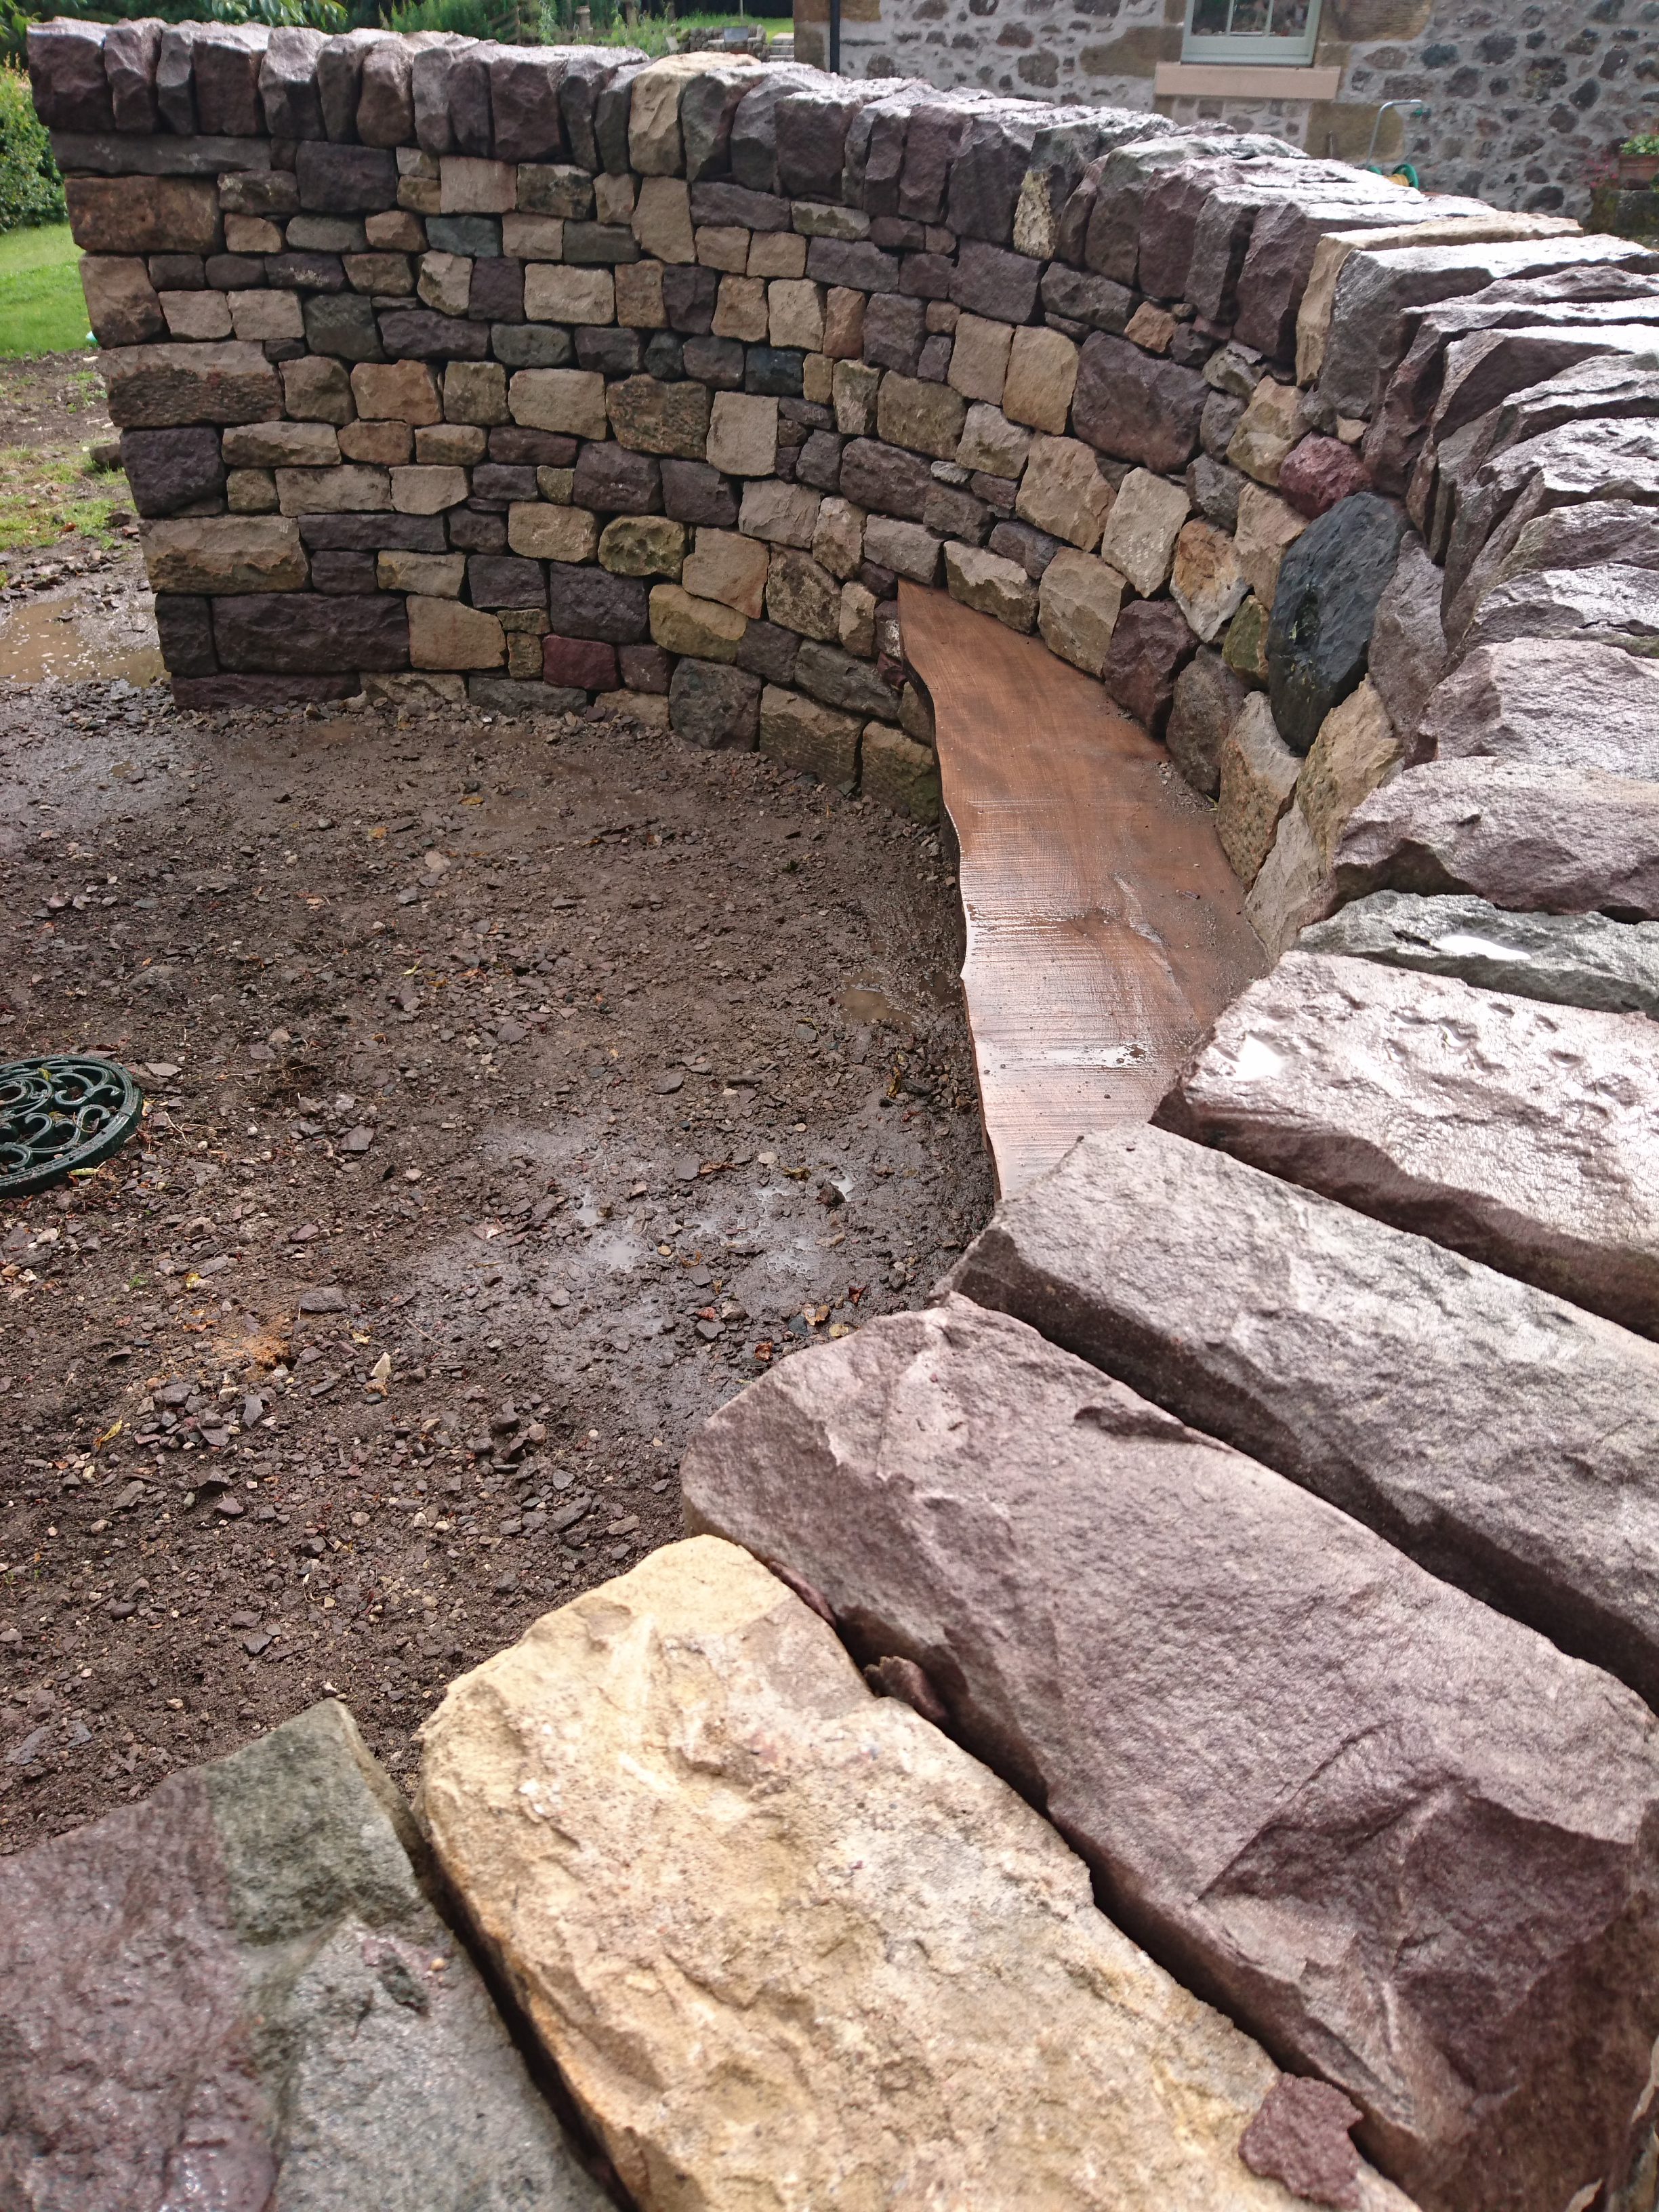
(169,469)
(130,53)
(346,328)
(289,90)
(295,633)
(387,533)
(524,103)
(886,478)
(613,481)
(754,145)
(1081,298)
(496,579)
(184,623)
(812,130)
(863,267)
(225,64)
(993,282)
(175,92)
(423,334)
(346,179)
(714,705)
(1257,1698)
(690,295)
(1323,612)
(588,72)
(1136,407)
(989,170)
(592,602)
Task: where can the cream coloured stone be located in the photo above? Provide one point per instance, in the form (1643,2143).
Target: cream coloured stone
(250,491)
(469,185)
(991,443)
(445,281)
(280,445)
(261,315)
(991,586)
(856,626)
(613,198)
(1258,781)
(443,634)
(979,358)
(1266,431)
(1141,530)
(1293,887)
(906,548)
(1042,377)
(923,417)
(725,246)
(223,553)
(724,565)
(1356,752)
(1078,602)
(777,253)
(662,219)
(1206,581)
(778,512)
(403,391)
(316,389)
(544,532)
(838,539)
(794,314)
(703,627)
(899,774)
(642,545)
(654,146)
(199,315)
(740,310)
(818,740)
(430,688)
(639,304)
(743,432)
(430,575)
(422,490)
(647,706)
(569,400)
(252,233)
(817,379)
(790,1945)
(1267,527)
(555,294)
(1063,492)
(853,388)
(533,237)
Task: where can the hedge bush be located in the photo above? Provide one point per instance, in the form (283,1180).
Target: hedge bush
(31,190)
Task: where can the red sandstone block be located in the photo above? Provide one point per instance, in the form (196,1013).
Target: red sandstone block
(582,662)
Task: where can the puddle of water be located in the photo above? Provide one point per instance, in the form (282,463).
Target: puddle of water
(46,640)
(861,1004)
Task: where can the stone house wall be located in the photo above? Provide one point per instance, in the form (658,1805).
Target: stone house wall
(529,377)
(1525,99)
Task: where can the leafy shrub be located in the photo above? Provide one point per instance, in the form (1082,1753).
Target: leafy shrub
(31,190)
(16,15)
(509,21)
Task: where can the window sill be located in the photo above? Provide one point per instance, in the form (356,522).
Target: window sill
(1247,80)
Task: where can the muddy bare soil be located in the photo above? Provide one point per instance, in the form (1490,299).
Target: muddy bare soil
(517,1092)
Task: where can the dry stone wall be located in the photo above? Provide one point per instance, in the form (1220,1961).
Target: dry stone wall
(529,376)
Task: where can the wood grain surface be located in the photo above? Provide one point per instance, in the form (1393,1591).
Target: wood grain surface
(1105,928)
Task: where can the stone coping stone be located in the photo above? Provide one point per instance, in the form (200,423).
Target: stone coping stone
(1328,1790)
(1554,840)
(792,1945)
(1392,1377)
(1565,959)
(236,1993)
(1549,702)
(1520,1134)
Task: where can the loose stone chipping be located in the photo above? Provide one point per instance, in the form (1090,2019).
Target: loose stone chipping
(1237,1704)
(901,1962)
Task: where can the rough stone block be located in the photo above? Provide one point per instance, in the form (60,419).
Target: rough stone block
(1151,646)
(1205,580)
(693,492)
(1136,407)
(613,479)
(899,774)
(1267,527)
(1141,530)
(1268,430)
(923,418)
(349,489)
(161,386)
(979,358)
(1209,699)
(167,469)
(220,553)
(583,663)
(143,214)
(1407,655)
(743,433)
(1294,886)
(805,735)
(1613,605)
(839,680)
(587,602)
(707,629)
(1043,368)
(184,624)
(431,575)
(122,304)
(1487,1122)
(643,545)
(365,2057)
(1077,1504)
(801,596)
(1078,602)
(1319,472)
(713,705)
(500,580)
(779,513)
(1258,777)
(443,634)
(990,585)
(727,567)
(993,281)
(1329,585)
(569,400)
(554,293)
(909,548)
(1548,704)
(345,180)
(306,633)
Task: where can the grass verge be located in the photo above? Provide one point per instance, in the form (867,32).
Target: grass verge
(41,309)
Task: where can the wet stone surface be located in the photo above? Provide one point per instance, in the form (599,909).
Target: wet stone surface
(518,1091)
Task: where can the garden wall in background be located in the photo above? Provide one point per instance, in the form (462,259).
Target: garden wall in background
(526,376)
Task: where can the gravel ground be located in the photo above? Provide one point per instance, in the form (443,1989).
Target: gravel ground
(517,1092)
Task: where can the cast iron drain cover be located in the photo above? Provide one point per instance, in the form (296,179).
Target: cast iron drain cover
(60,1114)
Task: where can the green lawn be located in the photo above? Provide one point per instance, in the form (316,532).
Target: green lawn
(41,309)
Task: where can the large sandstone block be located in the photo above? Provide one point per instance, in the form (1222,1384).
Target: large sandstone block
(1137,407)
(143,214)
(913,1985)
(1078,602)
(157,386)
(681,623)
(1141,530)
(991,586)
(123,305)
(821,740)
(1358,748)
(1294,886)
(1062,490)
(1395,1379)
(1566,959)
(1342,1795)
(1258,778)
(1206,581)
(311,633)
(1566,841)
(224,553)
(250,1963)
(1518,1133)
(443,634)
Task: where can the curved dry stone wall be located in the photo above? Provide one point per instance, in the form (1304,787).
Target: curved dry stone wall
(1271,1497)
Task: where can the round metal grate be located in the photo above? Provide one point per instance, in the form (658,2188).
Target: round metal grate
(59,1113)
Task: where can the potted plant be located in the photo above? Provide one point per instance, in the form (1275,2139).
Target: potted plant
(1639,161)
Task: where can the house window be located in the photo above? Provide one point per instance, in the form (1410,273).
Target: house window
(1273,31)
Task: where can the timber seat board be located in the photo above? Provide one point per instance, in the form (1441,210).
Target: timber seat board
(1105,929)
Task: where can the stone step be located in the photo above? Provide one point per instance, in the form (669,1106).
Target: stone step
(1561,840)
(236,1992)
(1395,1379)
(1565,959)
(791,1945)
(1520,1134)
(1332,1793)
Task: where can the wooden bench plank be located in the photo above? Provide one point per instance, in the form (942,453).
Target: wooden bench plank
(1105,929)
